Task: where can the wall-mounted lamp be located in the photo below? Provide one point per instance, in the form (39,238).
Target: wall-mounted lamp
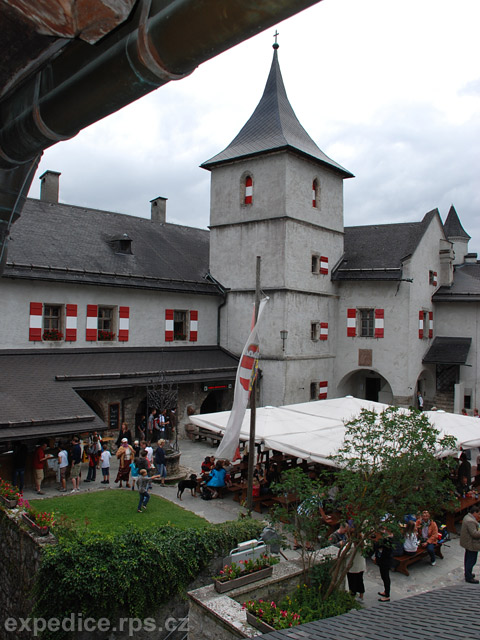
(283,336)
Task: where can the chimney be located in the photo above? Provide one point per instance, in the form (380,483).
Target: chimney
(49,186)
(159,209)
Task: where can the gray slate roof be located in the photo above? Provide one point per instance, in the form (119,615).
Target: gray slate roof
(38,393)
(453,226)
(465,287)
(273,126)
(443,614)
(376,252)
(52,241)
(445,350)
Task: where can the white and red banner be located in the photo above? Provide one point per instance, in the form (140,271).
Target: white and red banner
(246,374)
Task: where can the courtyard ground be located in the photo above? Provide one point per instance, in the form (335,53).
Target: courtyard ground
(423,577)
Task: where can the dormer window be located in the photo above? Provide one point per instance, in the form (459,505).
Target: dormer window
(248,190)
(122,244)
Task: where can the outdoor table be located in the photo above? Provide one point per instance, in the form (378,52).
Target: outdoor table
(452,516)
(289,500)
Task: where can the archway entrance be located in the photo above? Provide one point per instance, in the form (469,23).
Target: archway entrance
(367,385)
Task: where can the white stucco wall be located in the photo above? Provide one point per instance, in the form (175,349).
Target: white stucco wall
(462,320)
(147,313)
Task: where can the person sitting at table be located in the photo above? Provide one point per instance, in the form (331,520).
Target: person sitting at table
(339,537)
(427,531)
(259,473)
(464,469)
(228,466)
(217,479)
(207,466)
(410,539)
(462,487)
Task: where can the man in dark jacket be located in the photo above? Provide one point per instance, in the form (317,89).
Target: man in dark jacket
(470,541)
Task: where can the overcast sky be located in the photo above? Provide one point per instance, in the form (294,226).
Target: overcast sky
(390,89)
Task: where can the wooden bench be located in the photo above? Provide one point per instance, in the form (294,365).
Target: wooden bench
(205,434)
(406,560)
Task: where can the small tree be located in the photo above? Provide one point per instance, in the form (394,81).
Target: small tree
(388,466)
(304,522)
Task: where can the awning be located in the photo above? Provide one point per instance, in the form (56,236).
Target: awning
(448,351)
(314,431)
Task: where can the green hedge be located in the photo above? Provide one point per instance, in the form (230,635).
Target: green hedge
(129,574)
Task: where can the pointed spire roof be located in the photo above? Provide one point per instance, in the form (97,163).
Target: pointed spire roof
(453,227)
(273,126)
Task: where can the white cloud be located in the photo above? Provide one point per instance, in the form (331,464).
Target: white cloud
(390,90)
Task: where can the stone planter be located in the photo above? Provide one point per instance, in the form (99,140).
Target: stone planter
(40,531)
(258,623)
(10,503)
(223,587)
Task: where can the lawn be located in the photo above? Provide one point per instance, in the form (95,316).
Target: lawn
(115,511)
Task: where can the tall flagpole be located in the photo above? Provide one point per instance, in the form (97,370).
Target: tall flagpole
(253,406)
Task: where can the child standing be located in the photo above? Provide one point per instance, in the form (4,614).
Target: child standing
(143,482)
(105,461)
(134,472)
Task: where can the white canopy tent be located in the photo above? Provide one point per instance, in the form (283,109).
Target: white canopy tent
(315,430)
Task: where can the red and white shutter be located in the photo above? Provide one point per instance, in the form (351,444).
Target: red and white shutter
(430,324)
(193,326)
(71,322)
(92,322)
(434,279)
(323,265)
(351,323)
(314,194)
(322,390)
(379,323)
(36,315)
(123,323)
(168,325)
(420,325)
(248,190)
(323,330)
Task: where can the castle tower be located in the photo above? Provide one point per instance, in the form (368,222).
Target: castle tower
(275,194)
(457,235)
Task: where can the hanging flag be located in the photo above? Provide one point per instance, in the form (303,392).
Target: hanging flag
(246,376)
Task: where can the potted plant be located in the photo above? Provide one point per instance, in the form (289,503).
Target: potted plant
(105,336)
(8,494)
(267,616)
(39,522)
(52,334)
(238,574)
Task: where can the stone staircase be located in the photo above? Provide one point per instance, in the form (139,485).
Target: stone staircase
(443,400)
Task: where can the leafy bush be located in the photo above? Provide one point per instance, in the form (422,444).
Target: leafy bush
(140,569)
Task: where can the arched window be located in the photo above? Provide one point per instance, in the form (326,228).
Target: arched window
(248,190)
(315,194)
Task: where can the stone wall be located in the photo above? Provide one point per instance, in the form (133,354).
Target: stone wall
(21,553)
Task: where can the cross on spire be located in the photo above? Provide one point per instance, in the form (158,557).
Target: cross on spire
(276,45)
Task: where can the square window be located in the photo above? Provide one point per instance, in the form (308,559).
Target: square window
(367,323)
(179,325)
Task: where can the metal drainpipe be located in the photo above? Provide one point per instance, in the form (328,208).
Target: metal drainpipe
(86,83)
(223,291)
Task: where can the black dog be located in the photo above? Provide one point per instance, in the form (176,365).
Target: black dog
(191,484)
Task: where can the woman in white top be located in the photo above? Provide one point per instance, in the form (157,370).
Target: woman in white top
(410,542)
